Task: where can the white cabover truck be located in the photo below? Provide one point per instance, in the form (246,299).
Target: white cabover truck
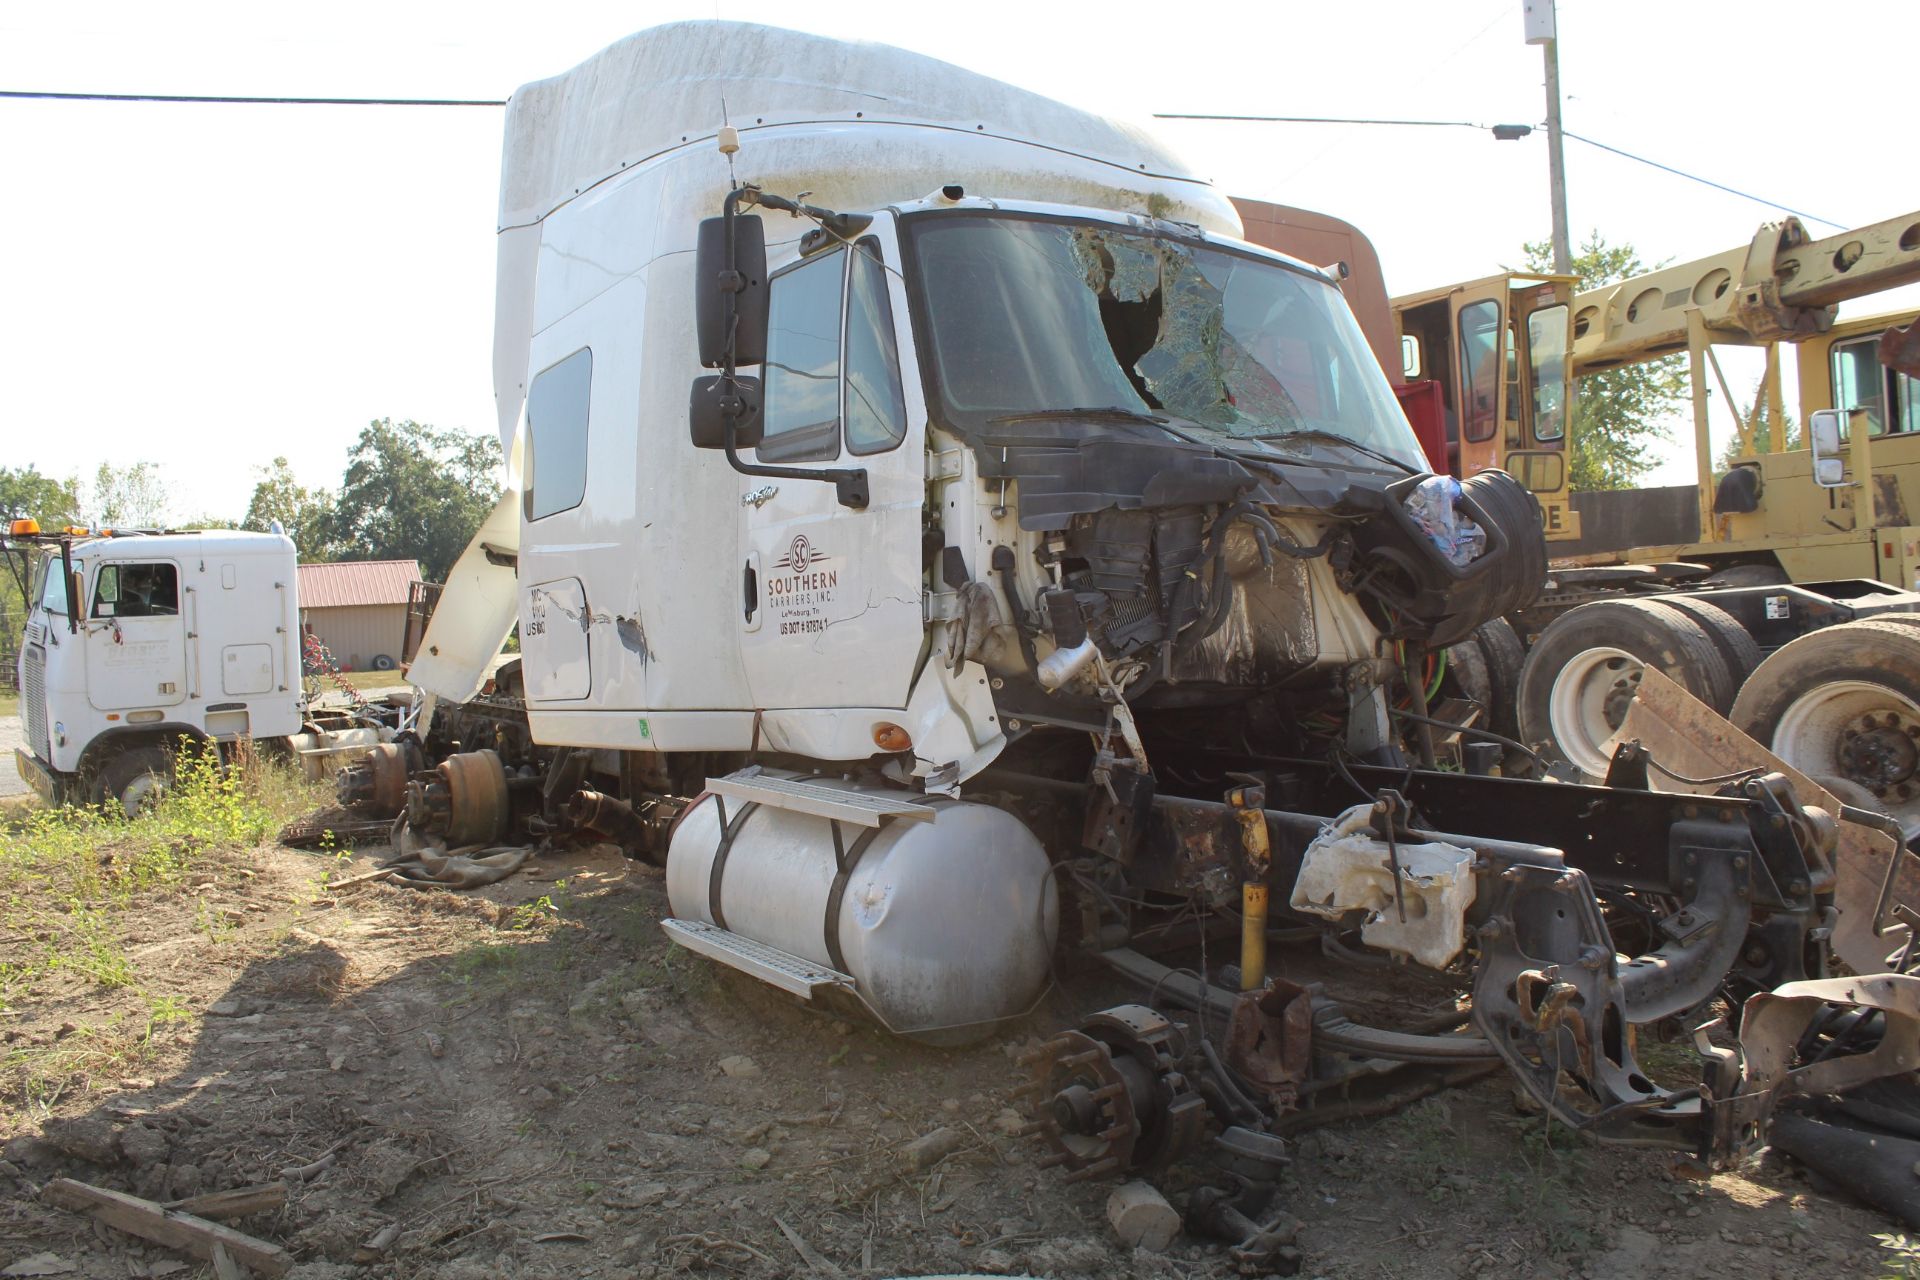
(940,536)
(192,634)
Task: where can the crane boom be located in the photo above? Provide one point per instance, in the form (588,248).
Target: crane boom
(1782,285)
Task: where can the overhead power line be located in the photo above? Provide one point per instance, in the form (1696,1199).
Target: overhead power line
(1505,132)
(1508,132)
(1706,182)
(1436,124)
(271,102)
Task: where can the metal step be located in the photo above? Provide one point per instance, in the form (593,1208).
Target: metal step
(862,808)
(769,964)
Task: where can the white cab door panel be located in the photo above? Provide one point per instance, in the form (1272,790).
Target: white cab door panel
(830,596)
(135,639)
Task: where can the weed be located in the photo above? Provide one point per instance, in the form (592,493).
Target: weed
(486,958)
(164,1011)
(215,924)
(1903,1257)
(71,875)
(532,915)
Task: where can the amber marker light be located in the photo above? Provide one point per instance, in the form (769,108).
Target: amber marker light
(891,737)
(23,528)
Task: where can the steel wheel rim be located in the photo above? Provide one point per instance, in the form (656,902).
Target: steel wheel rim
(1594,684)
(1863,732)
(142,795)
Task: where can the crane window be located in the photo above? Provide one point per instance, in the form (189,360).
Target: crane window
(136,591)
(557,404)
(1547,371)
(801,414)
(1480,339)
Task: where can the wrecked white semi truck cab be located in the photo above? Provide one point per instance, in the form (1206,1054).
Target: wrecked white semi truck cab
(137,640)
(944,543)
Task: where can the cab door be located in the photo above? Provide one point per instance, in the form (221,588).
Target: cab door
(1543,397)
(829,604)
(135,636)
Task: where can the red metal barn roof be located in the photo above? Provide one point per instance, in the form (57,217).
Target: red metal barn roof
(356,582)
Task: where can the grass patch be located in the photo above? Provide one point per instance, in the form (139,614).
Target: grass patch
(9,705)
(69,878)
(365,680)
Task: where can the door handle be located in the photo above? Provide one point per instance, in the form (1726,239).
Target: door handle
(749,591)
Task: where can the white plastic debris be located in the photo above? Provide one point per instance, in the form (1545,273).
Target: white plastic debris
(1348,868)
(1435,507)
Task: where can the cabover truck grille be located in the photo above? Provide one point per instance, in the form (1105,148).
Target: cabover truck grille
(33,701)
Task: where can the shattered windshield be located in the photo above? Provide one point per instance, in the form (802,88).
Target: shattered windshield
(1030,316)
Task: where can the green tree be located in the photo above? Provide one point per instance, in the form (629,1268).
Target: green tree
(133,497)
(1762,435)
(1616,414)
(25,494)
(306,514)
(413,491)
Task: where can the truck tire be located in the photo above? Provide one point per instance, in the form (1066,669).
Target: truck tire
(382,662)
(136,780)
(1845,700)
(1580,675)
(1505,656)
(1736,644)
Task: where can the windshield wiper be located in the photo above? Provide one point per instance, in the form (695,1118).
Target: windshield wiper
(1319,433)
(1100,411)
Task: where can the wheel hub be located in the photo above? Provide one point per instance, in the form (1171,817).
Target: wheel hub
(1619,696)
(1109,1097)
(1879,753)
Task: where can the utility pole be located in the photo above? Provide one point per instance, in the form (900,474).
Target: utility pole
(1542,30)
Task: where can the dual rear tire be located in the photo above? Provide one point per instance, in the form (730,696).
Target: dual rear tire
(1841,704)
(1583,670)
(1844,703)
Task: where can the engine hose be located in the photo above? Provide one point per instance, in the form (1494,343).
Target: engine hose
(1423,732)
(1003,564)
(1220,587)
(1247,1109)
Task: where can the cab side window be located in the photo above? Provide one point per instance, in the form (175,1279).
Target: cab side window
(136,591)
(800,413)
(876,409)
(1891,399)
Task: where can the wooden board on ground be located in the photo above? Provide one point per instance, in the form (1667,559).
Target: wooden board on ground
(170,1227)
(1687,736)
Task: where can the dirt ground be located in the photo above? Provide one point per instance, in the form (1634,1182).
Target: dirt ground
(528,1081)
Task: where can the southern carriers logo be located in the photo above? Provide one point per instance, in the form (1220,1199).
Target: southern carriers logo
(804,581)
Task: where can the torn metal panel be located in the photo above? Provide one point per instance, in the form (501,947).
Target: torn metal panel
(1775,1027)
(1687,736)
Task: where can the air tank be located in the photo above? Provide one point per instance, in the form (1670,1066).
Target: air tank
(945,926)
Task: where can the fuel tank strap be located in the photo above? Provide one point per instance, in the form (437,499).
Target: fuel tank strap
(728,830)
(844,861)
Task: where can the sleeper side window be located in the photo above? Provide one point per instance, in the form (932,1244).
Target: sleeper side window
(876,407)
(800,413)
(556,460)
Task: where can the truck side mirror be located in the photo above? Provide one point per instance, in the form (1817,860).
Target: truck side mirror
(707,410)
(1823,430)
(746,283)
